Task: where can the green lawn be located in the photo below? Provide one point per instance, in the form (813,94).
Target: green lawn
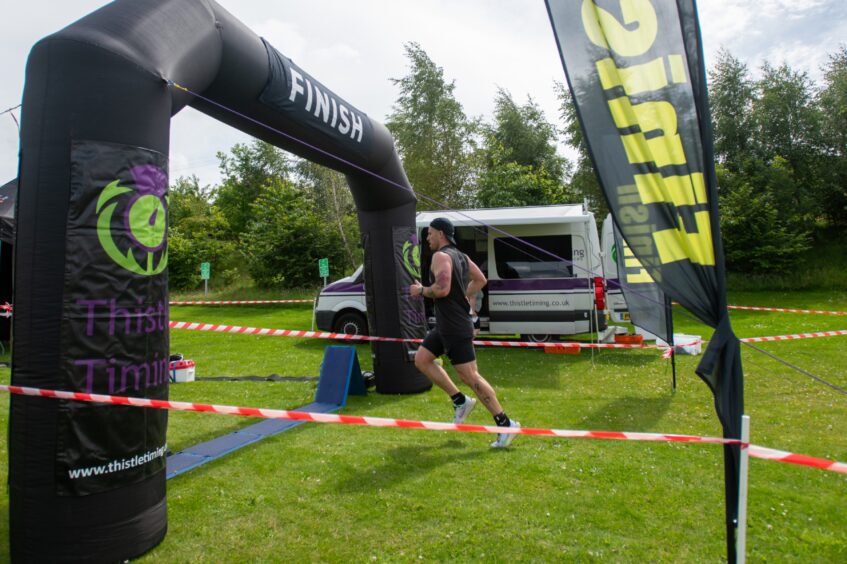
(347,493)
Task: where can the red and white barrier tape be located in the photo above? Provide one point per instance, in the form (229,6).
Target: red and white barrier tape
(8,307)
(525,344)
(784,310)
(800,459)
(794,337)
(241,302)
(756,451)
(519,344)
(216,328)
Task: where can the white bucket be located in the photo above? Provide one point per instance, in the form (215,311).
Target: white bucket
(182,371)
(684,344)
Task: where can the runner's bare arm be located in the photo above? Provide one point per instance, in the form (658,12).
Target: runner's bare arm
(477,283)
(442,271)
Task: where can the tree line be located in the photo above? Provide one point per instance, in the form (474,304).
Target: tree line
(780,149)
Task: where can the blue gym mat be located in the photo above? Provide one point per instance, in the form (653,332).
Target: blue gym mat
(340,377)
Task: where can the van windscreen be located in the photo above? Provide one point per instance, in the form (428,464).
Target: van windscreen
(518,258)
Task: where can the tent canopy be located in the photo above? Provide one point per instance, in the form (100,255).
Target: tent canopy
(8,196)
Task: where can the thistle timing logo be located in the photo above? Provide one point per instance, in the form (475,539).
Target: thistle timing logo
(412,256)
(144,221)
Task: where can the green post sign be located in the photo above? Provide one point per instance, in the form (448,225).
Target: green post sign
(323,267)
(205,270)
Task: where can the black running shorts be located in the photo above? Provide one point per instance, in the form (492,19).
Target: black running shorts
(459,348)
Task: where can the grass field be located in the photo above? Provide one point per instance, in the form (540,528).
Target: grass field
(343,493)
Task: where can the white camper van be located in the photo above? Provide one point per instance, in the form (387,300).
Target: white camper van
(529,292)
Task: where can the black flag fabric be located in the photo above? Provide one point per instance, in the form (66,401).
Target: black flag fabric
(637,77)
(645,301)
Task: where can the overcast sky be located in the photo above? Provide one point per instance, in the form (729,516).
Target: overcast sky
(355,46)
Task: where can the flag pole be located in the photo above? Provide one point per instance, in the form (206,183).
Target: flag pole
(669,326)
(741,542)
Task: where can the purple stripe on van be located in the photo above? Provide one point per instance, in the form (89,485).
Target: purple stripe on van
(538,284)
(344,287)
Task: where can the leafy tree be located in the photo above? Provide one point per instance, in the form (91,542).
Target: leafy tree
(195,235)
(786,124)
(785,120)
(757,235)
(768,144)
(731,95)
(334,202)
(832,102)
(247,170)
(508,183)
(832,99)
(522,134)
(285,237)
(583,184)
(521,165)
(434,137)
(186,199)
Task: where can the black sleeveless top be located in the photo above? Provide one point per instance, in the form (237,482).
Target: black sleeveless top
(452,312)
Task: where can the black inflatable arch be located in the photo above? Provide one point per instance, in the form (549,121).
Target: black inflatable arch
(87,481)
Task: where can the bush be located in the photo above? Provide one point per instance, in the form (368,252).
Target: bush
(286,237)
(194,241)
(760,234)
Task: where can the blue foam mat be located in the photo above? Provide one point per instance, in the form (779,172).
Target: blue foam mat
(340,376)
(223,445)
(182,462)
(270,427)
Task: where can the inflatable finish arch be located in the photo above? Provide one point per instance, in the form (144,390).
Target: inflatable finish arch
(88,481)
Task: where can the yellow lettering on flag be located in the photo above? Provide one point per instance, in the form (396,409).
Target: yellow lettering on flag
(677,244)
(646,77)
(651,128)
(630,39)
(665,149)
(640,278)
(684,190)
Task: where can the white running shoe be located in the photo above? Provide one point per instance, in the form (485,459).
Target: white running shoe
(462,411)
(505,439)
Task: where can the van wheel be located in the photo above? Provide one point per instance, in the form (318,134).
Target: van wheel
(351,323)
(537,338)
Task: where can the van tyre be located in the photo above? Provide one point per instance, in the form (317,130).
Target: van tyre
(351,324)
(537,338)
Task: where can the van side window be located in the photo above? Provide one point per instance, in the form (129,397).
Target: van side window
(520,259)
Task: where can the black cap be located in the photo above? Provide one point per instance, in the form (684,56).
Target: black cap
(446,226)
